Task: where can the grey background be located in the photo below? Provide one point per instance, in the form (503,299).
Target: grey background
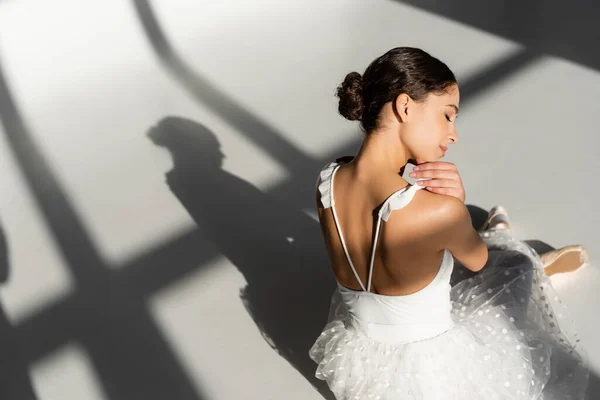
(159,157)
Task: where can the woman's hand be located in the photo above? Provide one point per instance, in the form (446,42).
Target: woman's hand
(445,178)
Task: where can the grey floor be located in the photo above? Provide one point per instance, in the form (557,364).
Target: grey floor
(156,158)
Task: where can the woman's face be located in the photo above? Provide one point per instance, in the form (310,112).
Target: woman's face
(430,125)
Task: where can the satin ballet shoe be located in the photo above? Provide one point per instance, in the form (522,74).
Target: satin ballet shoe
(497,219)
(565,259)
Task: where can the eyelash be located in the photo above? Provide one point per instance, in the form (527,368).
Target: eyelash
(448,118)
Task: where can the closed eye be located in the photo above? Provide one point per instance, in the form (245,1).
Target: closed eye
(450,120)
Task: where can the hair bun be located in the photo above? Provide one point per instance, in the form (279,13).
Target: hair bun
(350,94)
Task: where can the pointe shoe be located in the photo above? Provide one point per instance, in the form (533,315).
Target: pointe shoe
(565,259)
(497,219)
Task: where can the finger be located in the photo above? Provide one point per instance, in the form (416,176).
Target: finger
(435,165)
(439,183)
(438,190)
(435,173)
(420,161)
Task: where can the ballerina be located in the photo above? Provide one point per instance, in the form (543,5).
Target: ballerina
(397,328)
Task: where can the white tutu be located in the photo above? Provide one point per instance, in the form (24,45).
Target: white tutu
(510,340)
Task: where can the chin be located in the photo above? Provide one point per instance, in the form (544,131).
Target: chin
(439,156)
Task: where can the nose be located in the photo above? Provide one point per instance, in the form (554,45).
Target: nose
(453,136)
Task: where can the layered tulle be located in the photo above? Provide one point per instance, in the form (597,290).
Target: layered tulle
(512,339)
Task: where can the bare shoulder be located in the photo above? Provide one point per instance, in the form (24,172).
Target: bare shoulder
(442,222)
(428,215)
(442,210)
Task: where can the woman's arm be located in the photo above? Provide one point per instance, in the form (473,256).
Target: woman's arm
(460,238)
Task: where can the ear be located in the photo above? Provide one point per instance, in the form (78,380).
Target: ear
(401,106)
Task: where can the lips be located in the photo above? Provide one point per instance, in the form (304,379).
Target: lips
(443,148)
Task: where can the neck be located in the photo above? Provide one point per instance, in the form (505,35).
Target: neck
(382,151)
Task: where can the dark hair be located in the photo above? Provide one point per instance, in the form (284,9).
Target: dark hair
(401,70)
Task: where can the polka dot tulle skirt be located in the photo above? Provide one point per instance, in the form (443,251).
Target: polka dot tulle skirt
(512,338)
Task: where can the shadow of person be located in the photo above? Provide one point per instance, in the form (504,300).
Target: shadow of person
(278,250)
(14,373)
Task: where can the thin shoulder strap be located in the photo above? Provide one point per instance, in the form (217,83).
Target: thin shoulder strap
(373,253)
(337,225)
(396,200)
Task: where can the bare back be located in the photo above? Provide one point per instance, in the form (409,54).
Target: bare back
(408,252)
